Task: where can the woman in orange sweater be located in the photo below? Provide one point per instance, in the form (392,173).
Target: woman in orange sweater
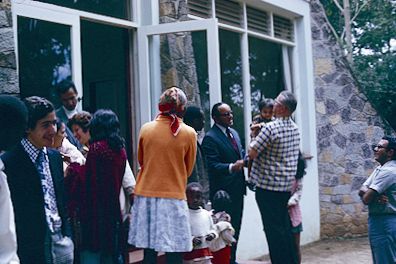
(166,154)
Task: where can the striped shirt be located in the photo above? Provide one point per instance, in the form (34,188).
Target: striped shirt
(277,145)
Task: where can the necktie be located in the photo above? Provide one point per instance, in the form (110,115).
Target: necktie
(232,140)
(51,210)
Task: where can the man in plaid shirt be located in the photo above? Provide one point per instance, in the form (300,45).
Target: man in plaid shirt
(275,153)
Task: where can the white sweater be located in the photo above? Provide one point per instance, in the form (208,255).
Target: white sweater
(201,225)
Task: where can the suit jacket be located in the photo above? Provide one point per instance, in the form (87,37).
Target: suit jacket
(219,153)
(28,201)
(200,174)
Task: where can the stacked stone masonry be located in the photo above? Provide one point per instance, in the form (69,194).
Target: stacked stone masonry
(347,125)
(8,73)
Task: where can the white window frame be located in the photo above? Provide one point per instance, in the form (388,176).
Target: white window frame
(149,87)
(70,17)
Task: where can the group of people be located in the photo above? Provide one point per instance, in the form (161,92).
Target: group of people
(68,185)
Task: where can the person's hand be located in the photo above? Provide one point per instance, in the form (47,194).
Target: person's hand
(254,130)
(197,241)
(210,237)
(383,199)
(66,158)
(131,198)
(237,166)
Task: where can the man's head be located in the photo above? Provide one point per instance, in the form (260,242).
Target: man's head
(194,195)
(13,119)
(194,117)
(285,104)
(222,114)
(385,150)
(68,95)
(41,126)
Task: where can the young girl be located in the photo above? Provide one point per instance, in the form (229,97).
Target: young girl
(294,204)
(221,246)
(202,228)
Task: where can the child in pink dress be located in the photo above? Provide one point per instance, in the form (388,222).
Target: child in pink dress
(294,204)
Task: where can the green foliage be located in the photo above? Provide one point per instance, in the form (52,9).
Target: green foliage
(374,60)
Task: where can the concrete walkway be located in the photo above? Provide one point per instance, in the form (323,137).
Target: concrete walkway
(331,251)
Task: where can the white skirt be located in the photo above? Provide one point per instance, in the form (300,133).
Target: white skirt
(161,224)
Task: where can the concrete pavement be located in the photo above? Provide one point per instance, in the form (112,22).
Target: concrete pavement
(331,251)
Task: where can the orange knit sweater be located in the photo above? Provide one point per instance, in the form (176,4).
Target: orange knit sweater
(165,160)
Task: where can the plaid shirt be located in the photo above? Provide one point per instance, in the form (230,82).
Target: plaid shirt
(277,144)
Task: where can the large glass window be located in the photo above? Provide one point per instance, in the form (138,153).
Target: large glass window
(114,8)
(266,70)
(231,77)
(44,50)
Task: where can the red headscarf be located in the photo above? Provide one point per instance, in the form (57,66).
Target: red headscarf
(171,105)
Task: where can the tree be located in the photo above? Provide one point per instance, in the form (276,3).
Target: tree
(373,50)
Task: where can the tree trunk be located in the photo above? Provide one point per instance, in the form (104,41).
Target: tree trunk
(348,33)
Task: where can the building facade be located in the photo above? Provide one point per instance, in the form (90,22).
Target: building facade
(122,54)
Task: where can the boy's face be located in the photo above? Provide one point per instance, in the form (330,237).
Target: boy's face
(44,132)
(267,112)
(194,198)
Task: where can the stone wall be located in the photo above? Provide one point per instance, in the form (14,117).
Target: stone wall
(177,55)
(346,126)
(8,73)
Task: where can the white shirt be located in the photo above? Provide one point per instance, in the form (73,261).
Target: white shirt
(71,113)
(8,242)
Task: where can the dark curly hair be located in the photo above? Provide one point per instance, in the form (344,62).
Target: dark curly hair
(105,126)
(81,119)
(13,119)
(221,201)
(38,108)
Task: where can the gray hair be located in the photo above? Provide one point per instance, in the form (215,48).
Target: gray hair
(288,100)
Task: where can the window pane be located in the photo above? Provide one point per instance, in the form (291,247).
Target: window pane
(44,50)
(201,63)
(231,77)
(114,8)
(266,70)
(105,68)
(173,63)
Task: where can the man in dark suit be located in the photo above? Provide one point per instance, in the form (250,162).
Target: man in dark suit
(35,178)
(68,96)
(224,156)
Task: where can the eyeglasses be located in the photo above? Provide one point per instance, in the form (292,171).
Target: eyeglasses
(373,147)
(226,114)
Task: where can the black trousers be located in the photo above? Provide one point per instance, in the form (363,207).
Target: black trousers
(236,220)
(277,227)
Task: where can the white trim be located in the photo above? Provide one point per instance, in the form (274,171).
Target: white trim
(34,12)
(82,14)
(145,81)
(286,68)
(247,99)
